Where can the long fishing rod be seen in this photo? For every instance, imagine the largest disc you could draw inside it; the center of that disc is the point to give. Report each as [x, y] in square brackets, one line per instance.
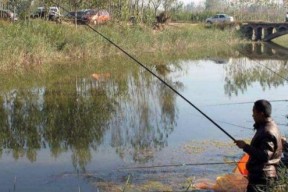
[181, 165]
[160, 79]
[164, 82]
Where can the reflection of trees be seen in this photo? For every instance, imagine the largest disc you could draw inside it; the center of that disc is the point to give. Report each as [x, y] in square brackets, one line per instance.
[19, 131]
[149, 119]
[3, 126]
[75, 119]
[60, 118]
[241, 73]
[74, 114]
[263, 57]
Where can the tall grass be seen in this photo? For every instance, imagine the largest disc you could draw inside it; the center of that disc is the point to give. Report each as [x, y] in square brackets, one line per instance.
[36, 43]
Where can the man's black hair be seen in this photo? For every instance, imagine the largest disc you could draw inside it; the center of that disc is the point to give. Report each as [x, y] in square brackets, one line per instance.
[263, 106]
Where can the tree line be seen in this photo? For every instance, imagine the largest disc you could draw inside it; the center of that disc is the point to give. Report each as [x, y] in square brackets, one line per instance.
[147, 10]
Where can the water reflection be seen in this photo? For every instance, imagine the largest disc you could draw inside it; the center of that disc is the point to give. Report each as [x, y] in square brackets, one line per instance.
[263, 63]
[150, 115]
[60, 117]
[263, 51]
[74, 115]
[135, 110]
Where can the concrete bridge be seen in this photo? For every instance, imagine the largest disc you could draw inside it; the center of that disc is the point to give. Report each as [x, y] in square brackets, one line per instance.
[263, 31]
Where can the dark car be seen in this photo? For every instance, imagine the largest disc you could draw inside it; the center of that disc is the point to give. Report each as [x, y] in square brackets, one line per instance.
[89, 16]
[76, 15]
[8, 15]
[39, 13]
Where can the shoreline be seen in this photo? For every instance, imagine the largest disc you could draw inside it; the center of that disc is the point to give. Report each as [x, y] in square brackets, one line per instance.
[39, 43]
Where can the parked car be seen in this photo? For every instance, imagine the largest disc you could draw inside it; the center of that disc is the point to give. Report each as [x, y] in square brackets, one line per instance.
[96, 16]
[89, 16]
[220, 18]
[8, 15]
[54, 13]
[78, 14]
[39, 13]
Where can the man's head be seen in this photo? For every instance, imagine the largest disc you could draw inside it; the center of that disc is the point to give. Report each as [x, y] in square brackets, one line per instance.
[262, 109]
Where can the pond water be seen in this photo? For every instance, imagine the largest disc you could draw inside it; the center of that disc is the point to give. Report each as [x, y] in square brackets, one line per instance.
[100, 126]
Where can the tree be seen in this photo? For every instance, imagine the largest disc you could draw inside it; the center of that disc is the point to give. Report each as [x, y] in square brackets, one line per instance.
[285, 2]
[190, 6]
[214, 5]
[156, 4]
[168, 4]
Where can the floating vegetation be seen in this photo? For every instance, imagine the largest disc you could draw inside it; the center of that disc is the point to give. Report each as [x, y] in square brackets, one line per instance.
[197, 147]
[146, 186]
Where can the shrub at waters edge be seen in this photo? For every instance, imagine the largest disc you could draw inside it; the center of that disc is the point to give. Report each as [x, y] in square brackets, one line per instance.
[36, 42]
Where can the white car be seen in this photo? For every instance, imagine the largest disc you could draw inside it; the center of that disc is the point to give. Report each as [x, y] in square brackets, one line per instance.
[220, 18]
[8, 15]
[53, 13]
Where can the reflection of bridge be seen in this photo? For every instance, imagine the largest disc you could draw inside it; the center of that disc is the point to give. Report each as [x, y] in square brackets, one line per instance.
[264, 31]
[264, 51]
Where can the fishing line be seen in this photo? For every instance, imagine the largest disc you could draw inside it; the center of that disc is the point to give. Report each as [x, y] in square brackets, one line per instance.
[257, 62]
[160, 79]
[180, 165]
[248, 102]
[278, 124]
[232, 124]
[224, 122]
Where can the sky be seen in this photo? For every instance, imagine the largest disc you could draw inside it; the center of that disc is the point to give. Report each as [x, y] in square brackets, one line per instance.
[197, 2]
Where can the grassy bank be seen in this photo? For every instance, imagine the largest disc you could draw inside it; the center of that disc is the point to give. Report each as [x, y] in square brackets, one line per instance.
[37, 43]
[283, 41]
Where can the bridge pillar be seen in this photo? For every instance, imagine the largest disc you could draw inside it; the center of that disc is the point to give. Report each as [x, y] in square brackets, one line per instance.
[265, 33]
[247, 31]
[257, 34]
[270, 30]
[257, 48]
[267, 50]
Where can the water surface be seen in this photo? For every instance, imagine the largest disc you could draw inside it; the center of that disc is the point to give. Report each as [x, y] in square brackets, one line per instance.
[84, 127]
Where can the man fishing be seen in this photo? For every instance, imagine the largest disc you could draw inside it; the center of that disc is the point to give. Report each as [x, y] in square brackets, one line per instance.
[264, 151]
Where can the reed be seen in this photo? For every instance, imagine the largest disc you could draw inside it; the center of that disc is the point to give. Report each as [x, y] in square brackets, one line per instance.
[282, 181]
[37, 43]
